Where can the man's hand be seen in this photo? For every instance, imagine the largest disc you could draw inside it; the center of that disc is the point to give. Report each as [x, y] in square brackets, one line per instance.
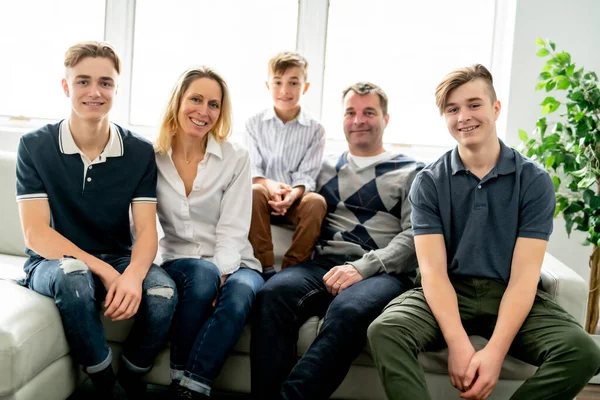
[223, 279]
[482, 374]
[340, 278]
[124, 296]
[459, 357]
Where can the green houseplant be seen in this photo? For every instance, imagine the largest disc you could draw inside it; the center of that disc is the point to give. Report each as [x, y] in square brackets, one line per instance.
[566, 141]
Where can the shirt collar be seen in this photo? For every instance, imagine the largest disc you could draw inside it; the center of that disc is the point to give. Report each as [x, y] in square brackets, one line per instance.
[114, 147]
[302, 117]
[212, 147]
[505, 165]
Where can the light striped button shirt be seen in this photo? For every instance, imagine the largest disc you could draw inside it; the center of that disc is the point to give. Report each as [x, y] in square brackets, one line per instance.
[290, 153]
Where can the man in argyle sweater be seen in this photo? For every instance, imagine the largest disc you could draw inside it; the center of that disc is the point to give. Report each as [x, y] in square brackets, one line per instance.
[364, 258]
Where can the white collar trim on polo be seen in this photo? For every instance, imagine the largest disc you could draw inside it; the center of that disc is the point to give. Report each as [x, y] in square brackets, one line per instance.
[114, 147]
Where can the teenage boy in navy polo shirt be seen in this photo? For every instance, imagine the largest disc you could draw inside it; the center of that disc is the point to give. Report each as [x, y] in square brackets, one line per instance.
[76, 181]
[482, 216]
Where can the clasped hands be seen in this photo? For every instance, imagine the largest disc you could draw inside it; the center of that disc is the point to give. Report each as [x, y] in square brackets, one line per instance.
[281, 196]
[474, 373]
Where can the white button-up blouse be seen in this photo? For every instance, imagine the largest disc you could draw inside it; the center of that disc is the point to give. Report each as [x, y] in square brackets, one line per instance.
[211, 223]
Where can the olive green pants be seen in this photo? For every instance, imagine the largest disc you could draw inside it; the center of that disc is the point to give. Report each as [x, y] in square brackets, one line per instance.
[550, 338]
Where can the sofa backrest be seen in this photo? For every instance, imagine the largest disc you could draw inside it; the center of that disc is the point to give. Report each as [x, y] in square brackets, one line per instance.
[11, 236]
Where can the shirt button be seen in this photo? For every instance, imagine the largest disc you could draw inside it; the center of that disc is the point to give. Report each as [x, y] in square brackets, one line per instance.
[478, 186]
[89, 179]
[90, 167]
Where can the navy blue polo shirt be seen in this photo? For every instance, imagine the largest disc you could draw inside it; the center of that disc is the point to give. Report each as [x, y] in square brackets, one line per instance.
[482, 219]
[89, 199]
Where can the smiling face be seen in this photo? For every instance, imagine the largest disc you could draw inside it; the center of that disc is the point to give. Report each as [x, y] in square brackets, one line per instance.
[364, 123]
[91, 85]
[471, 114]
[287, 87]
[200, 107]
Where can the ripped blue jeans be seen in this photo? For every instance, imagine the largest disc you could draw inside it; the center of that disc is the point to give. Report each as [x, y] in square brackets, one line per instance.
[78, 295]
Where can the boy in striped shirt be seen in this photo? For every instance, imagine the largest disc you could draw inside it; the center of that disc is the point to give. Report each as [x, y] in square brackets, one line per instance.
[286, 149]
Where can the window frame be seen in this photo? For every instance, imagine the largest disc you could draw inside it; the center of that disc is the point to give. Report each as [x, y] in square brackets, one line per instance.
[311, 40]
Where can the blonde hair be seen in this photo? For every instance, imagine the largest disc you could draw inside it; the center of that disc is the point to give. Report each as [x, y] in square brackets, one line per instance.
[365, 88]
[170, 123]
[81, 50]
[459, 77]
[281, 62]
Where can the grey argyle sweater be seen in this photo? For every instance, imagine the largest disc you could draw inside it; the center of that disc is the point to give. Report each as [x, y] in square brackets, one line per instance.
[368, 213]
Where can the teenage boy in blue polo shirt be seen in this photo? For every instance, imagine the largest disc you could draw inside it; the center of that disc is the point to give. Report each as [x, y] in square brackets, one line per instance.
[76, 181]
[482, 215]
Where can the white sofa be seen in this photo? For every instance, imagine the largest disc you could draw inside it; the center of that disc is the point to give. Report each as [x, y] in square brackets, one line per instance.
[34, 355]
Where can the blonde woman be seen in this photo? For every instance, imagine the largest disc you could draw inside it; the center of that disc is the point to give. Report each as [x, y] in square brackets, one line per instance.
[204, 206]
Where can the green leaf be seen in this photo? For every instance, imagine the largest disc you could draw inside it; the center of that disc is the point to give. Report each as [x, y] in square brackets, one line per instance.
[569, 226]
[547, 109]
[586, 182]
[588, 195]
[523, 135]
[548, 100]
[544, 76]
[540, 86]
[547, 68]
[540, 42]
[580, 173]
[556, 181]
[550, 85]
[550, 161]
[564, 57]
[563, 83]
[570, 70]
[542, 52]
[553, 45]
[595, 203]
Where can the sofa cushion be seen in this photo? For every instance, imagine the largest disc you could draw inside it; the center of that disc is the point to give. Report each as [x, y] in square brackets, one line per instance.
[11, 240]
[31, 335]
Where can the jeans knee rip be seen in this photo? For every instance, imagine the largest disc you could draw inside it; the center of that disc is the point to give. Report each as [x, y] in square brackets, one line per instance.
[73, 266]
[165, 292]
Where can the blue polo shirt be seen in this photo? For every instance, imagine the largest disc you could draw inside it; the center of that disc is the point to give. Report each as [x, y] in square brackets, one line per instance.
[89, 199]
[482, 219]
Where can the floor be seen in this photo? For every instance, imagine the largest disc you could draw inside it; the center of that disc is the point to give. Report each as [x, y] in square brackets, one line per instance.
[591, 392]
[154, 393]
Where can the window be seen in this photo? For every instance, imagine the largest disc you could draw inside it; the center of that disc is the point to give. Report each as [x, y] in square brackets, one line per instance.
[406, 48]
[34, 36]
[237, 38]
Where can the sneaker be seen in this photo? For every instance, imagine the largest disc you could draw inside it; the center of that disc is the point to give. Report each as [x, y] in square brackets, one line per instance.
[132, 383]
[177, 392]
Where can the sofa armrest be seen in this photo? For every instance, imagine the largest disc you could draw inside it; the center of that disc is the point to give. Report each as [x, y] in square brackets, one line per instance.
[31, 335]
[565, 286]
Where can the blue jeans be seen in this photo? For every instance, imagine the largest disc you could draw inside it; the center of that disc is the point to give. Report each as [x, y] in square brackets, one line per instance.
[78, 294]
[285, 302]
[203, 335]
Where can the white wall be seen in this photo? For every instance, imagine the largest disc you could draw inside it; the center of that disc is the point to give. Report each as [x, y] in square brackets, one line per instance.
[574, 27]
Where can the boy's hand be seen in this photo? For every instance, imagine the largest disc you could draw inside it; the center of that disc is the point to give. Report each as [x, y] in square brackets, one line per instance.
[108, 276]
[277, 190]
[124, 297]
[281, 207]
[482, 374]
[459, 358]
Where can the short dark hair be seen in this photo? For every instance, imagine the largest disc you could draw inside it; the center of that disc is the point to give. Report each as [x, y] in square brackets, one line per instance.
[365, 88]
